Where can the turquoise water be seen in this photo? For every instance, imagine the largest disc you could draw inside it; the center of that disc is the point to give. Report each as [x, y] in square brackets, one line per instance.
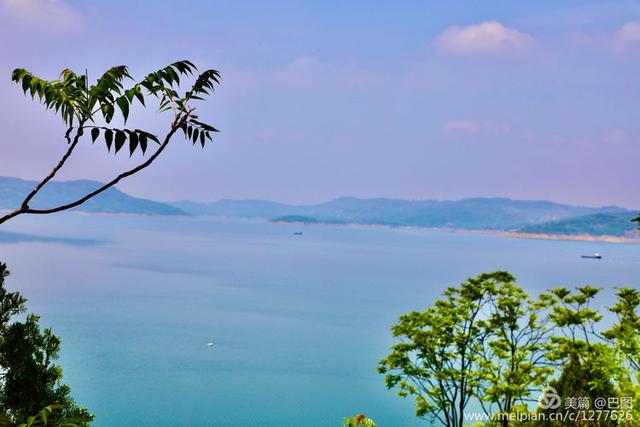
[299, 322]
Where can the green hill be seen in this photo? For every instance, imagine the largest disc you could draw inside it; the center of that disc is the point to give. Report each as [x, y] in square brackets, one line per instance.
[14, 190]
[600, 224]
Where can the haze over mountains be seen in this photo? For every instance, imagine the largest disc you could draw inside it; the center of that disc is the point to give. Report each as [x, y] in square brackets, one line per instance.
[469, 214]
[537, 217]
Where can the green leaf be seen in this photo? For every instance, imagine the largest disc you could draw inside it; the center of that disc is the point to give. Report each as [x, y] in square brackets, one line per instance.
[196, 132]
[148, 136]
[95, 133]
[174, 76]
[121, 137]
[166, 76]
[123, 104]
[139, 95]
[43, 415]
[204, 126]
[184, 67]
[18, 74]
[129, 94]
[26, 80]
[133, 143]
[153, 138]
[143, 142]
[205, 82]
[190, 64]
[107, 112]
[108, 138]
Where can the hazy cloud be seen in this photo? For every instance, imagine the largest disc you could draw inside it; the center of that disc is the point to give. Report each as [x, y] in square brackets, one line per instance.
[52, 15]
[476, 127]
[310, 71]
[627, 37]
[489, 38]
[468, 128]
[616, 136]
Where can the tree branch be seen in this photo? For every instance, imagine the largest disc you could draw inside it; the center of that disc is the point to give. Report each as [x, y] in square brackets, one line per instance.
[109, 184]
[26, 210]
[72, 146]
[12, 214]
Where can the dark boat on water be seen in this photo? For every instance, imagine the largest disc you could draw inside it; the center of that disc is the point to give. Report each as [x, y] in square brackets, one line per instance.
[297, 233]
[594, 256]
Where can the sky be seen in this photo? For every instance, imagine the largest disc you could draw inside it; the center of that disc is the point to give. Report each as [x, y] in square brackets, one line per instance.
[412, 99]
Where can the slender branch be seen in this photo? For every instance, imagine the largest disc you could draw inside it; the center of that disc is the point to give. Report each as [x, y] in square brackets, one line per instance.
[72, 146]
[12, 214]
[26, 210]
[116, 179]
[109, 184]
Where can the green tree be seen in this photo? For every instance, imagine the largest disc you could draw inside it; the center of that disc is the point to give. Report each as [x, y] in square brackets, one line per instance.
[589, 366]
[51, 415]
[29, 380]
[91, 108]
[624, 336]
[359, 420]
[513, 364]
[436, 358]
[625, 332]
[482, 339]
[581, 379]
[487, 340]
[575, 319]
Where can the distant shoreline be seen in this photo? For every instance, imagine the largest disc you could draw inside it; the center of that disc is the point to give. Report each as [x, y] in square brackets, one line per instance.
[499, 233]
[574, 237]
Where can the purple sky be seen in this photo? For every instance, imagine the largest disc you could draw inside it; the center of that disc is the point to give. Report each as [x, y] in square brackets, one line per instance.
[530, 100]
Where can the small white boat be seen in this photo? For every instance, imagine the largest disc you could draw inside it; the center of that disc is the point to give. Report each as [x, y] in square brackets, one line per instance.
[594, 256]
[210, 344]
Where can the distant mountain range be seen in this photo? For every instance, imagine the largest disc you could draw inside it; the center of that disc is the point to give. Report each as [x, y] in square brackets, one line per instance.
[539, 217]
[497, 214]
[14, 190]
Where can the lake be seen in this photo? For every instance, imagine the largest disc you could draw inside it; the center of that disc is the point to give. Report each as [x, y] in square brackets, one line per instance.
[299, 322]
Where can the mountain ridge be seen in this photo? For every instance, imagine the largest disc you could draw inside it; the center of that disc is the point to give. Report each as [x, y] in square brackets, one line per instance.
[476, 213]
[14, 190]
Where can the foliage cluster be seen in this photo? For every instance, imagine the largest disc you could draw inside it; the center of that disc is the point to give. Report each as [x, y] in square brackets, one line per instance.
[487, 341]
[31, 389]
[91, 108]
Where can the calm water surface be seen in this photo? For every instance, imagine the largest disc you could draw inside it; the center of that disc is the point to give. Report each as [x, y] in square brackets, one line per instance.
[299, 322]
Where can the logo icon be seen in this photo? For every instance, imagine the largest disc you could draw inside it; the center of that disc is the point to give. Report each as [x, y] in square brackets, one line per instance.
[600, 403]
[549, 398]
